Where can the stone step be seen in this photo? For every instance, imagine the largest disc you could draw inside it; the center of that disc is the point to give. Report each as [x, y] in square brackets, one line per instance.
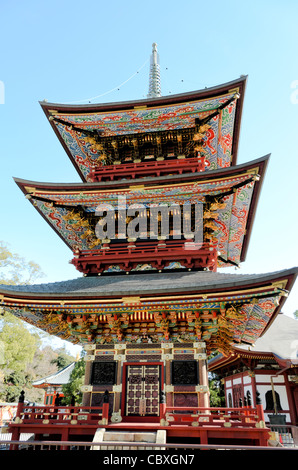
[129, 436]
[102, 435]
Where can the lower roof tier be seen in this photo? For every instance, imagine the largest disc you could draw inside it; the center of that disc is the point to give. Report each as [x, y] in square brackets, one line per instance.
[223, 206]
[220, 309]
[274, 347]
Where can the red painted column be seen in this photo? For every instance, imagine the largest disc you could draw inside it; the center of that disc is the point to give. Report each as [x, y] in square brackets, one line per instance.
[105, 413]
[254, 389]
[65, 437]
[203, 437]
[162, 411]
[260, 412]
[16, 430]
[292, 407]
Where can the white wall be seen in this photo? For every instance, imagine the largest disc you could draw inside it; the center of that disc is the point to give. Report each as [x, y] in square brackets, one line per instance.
[263, 385]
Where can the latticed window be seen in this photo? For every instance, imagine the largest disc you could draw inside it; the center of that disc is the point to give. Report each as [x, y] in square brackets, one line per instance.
[185, 373]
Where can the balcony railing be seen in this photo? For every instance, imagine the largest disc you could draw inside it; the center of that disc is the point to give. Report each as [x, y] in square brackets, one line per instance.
[244, 417]
[248, 421]
[72, 415]
[169, 415]
[154, 168]
[159, 254]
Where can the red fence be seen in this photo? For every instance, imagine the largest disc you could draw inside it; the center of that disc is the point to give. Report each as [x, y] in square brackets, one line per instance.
[158, 253]
[169, 415]
[63, 414]
[219, 417]
[155, 168]
[203, 423]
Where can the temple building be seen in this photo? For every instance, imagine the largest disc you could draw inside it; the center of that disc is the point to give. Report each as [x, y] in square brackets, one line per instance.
[53, 384]
[267, 370]
[162, 209]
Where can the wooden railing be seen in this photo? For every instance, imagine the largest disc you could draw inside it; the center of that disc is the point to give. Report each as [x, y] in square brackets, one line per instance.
[72, 415]
[169, 415]
[155, 168]
[219, 417]
[158, 254]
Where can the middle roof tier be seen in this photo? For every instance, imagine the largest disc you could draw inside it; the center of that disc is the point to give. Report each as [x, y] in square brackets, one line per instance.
[227, 199]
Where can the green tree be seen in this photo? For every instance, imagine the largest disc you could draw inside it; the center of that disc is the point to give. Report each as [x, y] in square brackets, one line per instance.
[14, 384]
[22, 361]
[17, 344]
[18, 349]
[62, 360]
[296, 314]
[217, 398]
[72, 390]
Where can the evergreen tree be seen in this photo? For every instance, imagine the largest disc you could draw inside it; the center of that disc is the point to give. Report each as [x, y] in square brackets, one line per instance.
[72, 390]
[22, 361]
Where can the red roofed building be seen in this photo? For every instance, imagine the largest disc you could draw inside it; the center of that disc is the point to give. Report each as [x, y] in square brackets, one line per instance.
[52, 384]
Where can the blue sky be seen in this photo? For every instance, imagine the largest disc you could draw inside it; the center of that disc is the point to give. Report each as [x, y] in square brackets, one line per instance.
[70, 51]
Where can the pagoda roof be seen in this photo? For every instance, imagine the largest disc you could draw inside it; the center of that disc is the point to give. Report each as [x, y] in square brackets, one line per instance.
[147, 284]
[73, 123]
[238, 187]
[58, 378]
[278, 342]
[255, 300]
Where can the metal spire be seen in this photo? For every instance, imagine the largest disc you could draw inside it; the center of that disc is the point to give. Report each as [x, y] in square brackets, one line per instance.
[154, 75]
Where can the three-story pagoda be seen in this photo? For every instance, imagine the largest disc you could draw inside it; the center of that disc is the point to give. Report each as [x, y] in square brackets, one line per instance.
[151, 304]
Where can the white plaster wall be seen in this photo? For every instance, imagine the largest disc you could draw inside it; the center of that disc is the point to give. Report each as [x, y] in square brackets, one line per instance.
[267, 378]
[281, 390]
[237, 380]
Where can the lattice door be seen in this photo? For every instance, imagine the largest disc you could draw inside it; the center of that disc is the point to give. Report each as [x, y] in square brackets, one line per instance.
[237, 394]
[142, 390]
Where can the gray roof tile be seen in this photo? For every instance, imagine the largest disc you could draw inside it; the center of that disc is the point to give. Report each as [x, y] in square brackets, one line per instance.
[145, 283]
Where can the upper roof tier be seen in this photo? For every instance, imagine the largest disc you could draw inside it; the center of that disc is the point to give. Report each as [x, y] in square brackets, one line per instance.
[200, 123]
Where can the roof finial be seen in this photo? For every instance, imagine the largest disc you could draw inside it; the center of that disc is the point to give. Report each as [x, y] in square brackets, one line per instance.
[154, 75]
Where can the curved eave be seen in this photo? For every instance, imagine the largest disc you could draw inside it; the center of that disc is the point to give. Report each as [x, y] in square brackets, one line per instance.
[141, 292]
[180, 284]
[53, 379]
[224, 361]
[200, 177]
[258, 166]
[204, 94]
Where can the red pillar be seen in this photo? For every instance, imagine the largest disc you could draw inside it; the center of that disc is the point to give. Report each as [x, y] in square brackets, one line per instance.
[15, 436]
[105, 412]
[291, 401]
[162, 411]
[65, 437]
[203, 437]
[260, 412]
[16, 430]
